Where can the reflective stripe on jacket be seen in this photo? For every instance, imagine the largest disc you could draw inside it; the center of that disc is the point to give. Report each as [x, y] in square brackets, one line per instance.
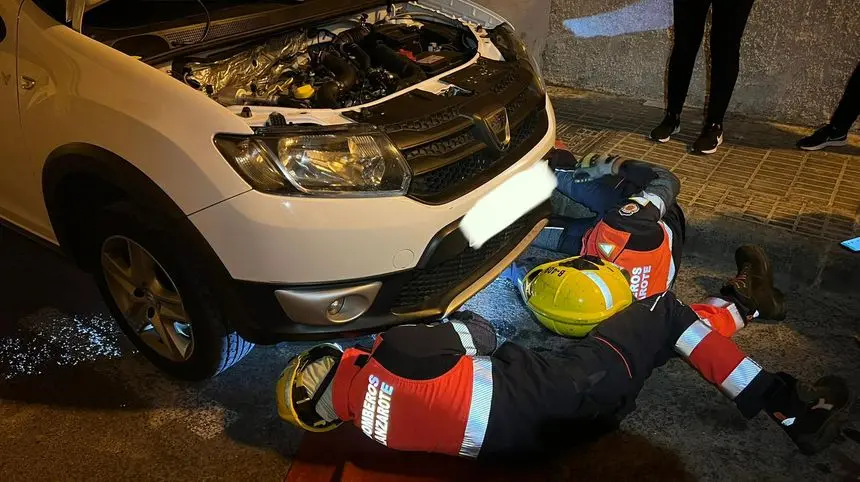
[394, 410]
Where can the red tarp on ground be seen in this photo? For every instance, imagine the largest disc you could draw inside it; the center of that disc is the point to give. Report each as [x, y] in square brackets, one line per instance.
[347, 455]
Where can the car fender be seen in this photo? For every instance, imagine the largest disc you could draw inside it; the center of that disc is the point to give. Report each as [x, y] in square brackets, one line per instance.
[87, 93]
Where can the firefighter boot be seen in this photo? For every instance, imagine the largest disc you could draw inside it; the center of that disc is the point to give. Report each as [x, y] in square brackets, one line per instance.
[811, 415]
[753, 285]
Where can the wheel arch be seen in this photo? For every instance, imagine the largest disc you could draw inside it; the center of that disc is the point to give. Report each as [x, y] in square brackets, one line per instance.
[80, 177]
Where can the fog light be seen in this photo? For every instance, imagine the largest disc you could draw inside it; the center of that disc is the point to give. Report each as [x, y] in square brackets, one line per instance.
[328, 306]
[335, 306]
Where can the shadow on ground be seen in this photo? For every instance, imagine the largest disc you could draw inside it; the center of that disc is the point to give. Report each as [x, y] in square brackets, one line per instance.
[347, 454]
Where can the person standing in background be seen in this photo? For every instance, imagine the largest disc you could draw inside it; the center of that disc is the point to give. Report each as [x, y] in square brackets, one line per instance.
[729, 19]
[836, 132]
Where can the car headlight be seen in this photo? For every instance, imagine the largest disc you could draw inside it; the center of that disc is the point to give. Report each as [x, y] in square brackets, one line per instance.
[514, 49]
[335, 161]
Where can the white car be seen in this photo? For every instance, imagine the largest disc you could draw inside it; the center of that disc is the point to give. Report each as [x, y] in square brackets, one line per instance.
[241, 172]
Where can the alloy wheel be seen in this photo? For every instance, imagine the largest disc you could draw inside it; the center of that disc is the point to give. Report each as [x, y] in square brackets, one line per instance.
[147, 297]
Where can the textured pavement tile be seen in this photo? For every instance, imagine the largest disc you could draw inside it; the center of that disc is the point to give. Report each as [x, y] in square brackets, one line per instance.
[756, 175]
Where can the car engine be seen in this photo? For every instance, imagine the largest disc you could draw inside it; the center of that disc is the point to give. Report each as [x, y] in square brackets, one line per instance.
[318, 68]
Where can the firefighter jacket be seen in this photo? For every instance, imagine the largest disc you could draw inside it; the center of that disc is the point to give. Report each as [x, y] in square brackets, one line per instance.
[446, 388]
[645, 233]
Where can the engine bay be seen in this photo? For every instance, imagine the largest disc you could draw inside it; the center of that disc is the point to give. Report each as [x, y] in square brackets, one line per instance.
[339, 65]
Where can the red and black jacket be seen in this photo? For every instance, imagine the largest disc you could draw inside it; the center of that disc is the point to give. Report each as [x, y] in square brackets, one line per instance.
[645, 233]
[435, 388]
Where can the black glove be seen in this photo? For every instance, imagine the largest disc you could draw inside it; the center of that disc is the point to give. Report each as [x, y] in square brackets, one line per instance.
[564, 160]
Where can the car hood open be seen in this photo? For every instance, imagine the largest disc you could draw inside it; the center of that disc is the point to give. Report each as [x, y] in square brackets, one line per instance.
[75, 10]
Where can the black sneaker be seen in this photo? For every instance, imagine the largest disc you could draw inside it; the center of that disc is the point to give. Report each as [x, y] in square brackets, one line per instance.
[670, 126]
[827, 136]
[710, 138]
[753, 285]
[811, 416]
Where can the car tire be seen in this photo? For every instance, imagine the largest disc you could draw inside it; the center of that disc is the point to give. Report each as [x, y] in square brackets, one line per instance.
[201, 345]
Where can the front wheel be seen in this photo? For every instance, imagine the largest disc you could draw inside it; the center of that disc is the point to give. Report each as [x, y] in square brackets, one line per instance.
[155, 288]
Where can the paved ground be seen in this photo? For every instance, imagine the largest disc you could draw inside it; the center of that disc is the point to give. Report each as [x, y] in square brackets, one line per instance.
[756, 188]
[756, 176]
[77, 403]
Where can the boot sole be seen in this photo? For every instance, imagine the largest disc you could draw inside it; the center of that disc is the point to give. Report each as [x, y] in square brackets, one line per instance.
[777, 313]
[829, 431]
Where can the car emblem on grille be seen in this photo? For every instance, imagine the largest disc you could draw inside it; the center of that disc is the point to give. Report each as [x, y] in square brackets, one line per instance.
[499, 128]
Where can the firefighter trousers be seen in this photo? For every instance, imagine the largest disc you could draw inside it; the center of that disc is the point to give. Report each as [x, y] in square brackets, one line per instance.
[611, 365]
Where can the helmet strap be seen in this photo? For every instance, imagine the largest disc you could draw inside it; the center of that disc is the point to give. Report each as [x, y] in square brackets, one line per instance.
[324, 384]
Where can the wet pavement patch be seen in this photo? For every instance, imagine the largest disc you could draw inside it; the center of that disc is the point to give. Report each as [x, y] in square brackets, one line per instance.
[50, 339]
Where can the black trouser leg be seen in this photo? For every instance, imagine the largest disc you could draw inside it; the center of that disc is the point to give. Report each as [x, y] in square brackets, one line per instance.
[690, 17]
[613, 362]
[728, 23]
[849, 107]
[645, 334]
[631, 344]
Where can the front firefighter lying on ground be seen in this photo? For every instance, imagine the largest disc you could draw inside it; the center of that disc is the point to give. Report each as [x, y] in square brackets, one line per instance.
[448, 388]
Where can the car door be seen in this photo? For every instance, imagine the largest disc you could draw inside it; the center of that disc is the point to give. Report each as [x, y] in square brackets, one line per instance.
[13, 156]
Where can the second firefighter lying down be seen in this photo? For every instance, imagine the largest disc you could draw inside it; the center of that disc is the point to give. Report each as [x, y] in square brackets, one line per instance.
[638, 224]
[451, 388]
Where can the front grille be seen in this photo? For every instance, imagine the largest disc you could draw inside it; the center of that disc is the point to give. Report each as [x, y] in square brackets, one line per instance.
[440, 147]
[526, 129]
[506, 81]
[427, 122]
[515, 105]
[427, 284]
[450, 177]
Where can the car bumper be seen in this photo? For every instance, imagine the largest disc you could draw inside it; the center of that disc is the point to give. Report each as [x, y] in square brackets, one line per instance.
[430, 291]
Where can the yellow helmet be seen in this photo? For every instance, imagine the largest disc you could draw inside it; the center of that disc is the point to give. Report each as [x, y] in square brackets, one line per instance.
[572, 296]
[296, 399]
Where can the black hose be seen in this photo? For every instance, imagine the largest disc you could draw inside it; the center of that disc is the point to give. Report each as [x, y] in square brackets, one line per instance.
[351, 36]
[343, 72]
[326, 95]
[398, 64]
[347, 43]
[358, 54]
[285, 100]
[345, 76]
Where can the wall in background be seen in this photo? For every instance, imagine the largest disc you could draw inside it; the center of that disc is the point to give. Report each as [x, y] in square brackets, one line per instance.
[530, 18]
[796, 57]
